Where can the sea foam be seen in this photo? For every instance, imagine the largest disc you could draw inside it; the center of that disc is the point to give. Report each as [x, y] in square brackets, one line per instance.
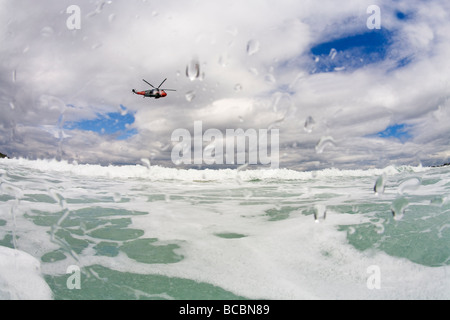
[20, 277]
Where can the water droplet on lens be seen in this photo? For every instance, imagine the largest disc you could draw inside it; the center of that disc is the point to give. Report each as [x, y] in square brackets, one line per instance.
[270, 78]
[282, 105]
[398, 207]
[223, 60]
[437, 201]
[146, 162]
[210, 149]
[247, 194]
[252, 47]
[254, 71]
[276, 124]
[410, 184]
[323, 143]
[320, 213]
[117, 197]
[47, 32]
[238, 87]
[309, 124]
[242, 167]
[193, 69]
[379, 184]
[190, 95]
[333, 53]
[96, 45]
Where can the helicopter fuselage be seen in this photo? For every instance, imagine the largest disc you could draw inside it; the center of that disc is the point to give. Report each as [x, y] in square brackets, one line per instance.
[154, 93]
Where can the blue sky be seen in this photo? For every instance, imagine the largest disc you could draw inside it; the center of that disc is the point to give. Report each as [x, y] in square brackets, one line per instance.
[352, 51]
[400, 132]
[114, 124]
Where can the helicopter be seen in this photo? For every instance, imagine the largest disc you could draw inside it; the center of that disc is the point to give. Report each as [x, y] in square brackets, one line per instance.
[155, 92]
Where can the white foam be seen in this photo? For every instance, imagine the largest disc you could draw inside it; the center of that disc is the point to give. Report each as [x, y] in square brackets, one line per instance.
[293, 258]
[157, 173]
[20, 277]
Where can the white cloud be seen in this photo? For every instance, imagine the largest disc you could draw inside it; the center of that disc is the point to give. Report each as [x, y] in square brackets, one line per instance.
[45, 67]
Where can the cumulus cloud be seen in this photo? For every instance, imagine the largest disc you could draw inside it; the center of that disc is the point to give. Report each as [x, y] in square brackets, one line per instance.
[260, 65]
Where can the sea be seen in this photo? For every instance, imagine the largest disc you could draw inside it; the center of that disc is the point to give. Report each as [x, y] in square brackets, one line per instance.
[72, 231]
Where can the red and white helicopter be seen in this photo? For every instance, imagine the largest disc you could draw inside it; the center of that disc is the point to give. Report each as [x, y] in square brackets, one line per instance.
[155, 92]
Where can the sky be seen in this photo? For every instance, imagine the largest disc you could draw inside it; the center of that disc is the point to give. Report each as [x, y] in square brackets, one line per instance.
[347, 86]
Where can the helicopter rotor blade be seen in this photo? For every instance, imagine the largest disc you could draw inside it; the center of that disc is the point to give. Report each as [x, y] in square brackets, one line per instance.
[162, 83]
[148, 83]
[169, 89]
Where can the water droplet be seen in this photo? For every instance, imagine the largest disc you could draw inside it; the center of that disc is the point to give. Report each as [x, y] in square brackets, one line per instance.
[238, 87]
[437, 201]
[186, 149]
[241, 120]
[224, 60]
[409, 185]
[11, 190]
[232, 30]
[270, 78]
[247, 194]
[254, 71]
[242, 167]
[282, 105]
[123, 110]
[333, 53]
[276, 124]
[51, 103]
[398, 207]
[117, 197]
[320, 212]
[190, 95]
[210, 149]
[111, 17]
[379, 184]
[47, 32]
[12, 106]
[193, 69]
[252, 47]
[309, 124]
[323, 143]
[96, 45]
[14, 76]
[146, 162]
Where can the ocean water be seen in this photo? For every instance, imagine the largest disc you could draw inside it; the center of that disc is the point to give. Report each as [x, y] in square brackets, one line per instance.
[70, 231]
